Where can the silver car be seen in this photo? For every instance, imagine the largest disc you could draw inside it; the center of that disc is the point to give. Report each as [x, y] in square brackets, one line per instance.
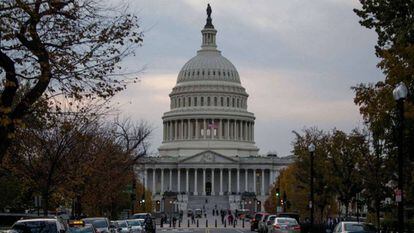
[285, 225]
[344, 227]
[122, 226]
[101, 224]
[136, 225]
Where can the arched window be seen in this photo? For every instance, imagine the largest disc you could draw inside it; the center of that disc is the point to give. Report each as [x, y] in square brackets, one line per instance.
[232, 102]
[222, 101]
[238, 103]
[195, 101]
[208, 101]
[189, 101]
[202, 101]
[179, 102]
[228, 101]
[215, 101]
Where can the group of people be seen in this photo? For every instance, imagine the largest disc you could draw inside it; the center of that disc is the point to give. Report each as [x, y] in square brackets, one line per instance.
[231, 219]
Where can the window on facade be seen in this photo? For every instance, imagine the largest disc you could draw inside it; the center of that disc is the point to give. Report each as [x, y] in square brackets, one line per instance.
[232, 102]
[189, 101]
[183, 101]
[195, 101]
[214, 72]
[208, 101]
[219, 73]
[228, 102]
[202, 72]
[202, 101]
[222, 101]
[179, 102]
[215, 101]
[238, 102]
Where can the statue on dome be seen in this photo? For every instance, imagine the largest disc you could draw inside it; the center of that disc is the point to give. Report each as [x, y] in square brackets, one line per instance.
[209, 10]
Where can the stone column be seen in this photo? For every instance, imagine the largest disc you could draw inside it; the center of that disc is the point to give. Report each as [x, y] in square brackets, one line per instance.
[187, 184]
[197, 130]
[220, 129]
[204, 129]
[171, 179]
[234, 130]
[189, 129]
[162, 181]
[238, 180]
[254, 180]
[246, 188]
[175, 130]
[221, 182]
[228, 129]
[229, 181]
[195, 182]
[179, 180]
[252, 131]
[263, 180]
[212, 181]
[204, 181]
[182, 129]
[153, 181]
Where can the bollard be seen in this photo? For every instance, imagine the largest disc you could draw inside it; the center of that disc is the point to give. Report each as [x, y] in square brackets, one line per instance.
[225, 223]
[215, 223]
[206, 223]
[197, 223]
[170, 222]
[162, 224]
[243, 223]
[179, 223]
[188, 223]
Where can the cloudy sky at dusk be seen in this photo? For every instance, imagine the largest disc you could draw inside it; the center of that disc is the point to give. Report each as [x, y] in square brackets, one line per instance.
[297, 60]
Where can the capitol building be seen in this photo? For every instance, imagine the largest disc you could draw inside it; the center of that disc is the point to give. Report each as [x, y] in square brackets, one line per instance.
[208, 154]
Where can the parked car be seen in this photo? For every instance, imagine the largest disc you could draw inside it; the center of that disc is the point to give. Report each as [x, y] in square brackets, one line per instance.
[346, 227]
[101, 224]
[39, 225]
[285, 225]
[254, 223]
[136, 225]
[289, 215]
[269, 223]
[79, 226]
[143, 216]
[262, 225]
[122, 226]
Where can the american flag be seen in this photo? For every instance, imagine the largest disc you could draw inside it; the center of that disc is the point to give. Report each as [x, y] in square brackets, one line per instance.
[213, 125]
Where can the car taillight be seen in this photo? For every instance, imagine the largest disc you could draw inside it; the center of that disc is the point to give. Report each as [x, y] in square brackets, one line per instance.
[297, 227]
[276, 226]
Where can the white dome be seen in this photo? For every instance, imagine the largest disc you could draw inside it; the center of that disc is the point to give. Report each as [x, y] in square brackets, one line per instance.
[208, 65]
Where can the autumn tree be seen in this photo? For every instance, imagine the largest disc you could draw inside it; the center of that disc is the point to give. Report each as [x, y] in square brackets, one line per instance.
[65, 49]
[144, 199]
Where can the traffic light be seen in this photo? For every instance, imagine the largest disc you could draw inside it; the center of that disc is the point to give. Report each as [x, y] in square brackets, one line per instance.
[277, 192]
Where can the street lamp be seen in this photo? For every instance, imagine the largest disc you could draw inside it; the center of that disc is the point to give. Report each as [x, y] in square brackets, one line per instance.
[311, 149]
[400, 94]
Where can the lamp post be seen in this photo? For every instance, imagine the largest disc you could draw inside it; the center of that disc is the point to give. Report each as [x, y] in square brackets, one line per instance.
[400, 94]
[311, 149]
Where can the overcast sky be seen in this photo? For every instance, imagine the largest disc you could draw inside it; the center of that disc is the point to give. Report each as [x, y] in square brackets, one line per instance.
[297, 60]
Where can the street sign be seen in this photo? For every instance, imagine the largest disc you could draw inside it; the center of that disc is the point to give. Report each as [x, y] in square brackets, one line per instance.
[278, 209]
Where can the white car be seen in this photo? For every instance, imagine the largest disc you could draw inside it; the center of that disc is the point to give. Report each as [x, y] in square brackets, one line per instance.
[344, 227]
[136, 225]
[101, 224]
[123, 226]
[39, 225]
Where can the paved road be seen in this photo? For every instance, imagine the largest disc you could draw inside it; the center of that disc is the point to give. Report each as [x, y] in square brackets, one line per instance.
[205, 230]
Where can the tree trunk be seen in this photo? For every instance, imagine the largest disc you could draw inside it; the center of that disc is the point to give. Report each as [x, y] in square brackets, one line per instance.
[377, 210]
[45, 197]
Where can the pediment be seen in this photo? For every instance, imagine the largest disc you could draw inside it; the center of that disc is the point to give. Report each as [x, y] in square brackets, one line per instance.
[208, 157]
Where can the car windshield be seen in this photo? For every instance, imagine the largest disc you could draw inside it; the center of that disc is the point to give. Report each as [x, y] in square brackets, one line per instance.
[271, 218]
[287, 221]
[357, 227]
[258, 216]
[122, 224]
[134, 223]
[100, 223]
[86, 229]
[35, 227]
[140, 216]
